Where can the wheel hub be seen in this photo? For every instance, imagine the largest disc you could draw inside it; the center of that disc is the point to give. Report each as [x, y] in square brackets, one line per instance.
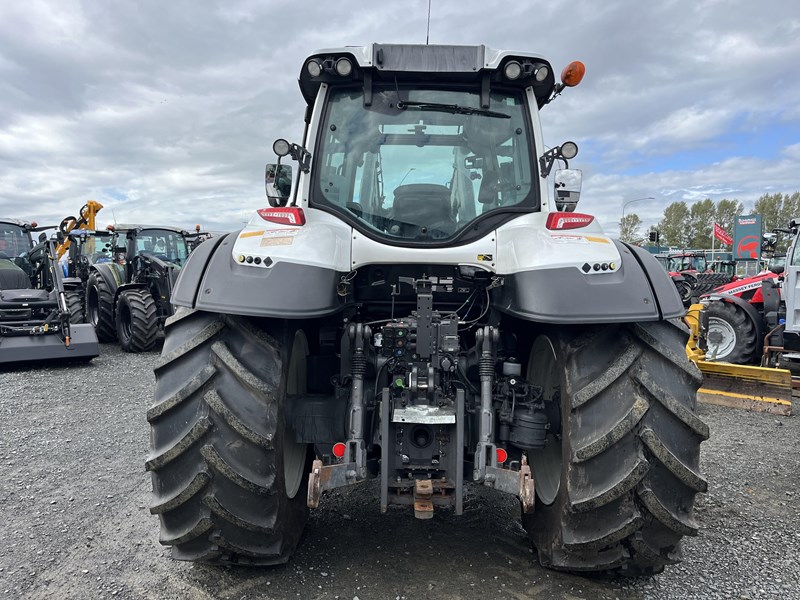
[547, 463]
[721, 338]
[294, 453]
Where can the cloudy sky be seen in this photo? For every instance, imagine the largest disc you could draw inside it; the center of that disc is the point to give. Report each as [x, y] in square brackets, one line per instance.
[166, 110]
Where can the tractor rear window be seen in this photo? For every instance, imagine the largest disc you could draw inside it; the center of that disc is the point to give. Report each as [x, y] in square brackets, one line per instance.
[14, 241]
[427, 169]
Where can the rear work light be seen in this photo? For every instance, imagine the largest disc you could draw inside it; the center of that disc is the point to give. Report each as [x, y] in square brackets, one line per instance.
[567, 220]
[285, 215]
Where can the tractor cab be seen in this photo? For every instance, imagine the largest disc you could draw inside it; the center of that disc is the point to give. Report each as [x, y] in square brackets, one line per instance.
[687, 262]
[410, 159]
[164, 243]
[15, 246]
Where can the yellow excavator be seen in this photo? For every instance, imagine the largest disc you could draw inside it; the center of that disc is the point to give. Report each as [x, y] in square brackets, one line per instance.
[759, 388]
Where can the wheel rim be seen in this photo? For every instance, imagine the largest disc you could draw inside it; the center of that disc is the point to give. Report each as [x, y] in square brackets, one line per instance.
[721, 337]
[294, 453]
[547, 462]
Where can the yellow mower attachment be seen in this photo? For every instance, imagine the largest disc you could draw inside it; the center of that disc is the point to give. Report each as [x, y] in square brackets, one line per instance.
[739, 386]
[86, 220]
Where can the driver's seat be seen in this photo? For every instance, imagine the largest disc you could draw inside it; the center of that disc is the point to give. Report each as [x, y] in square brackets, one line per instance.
[418, 205]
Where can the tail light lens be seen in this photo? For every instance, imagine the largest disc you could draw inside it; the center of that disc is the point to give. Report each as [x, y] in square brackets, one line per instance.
[567, 220]
[288, 215]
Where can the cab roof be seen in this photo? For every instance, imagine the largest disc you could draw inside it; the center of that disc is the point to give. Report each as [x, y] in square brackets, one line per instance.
[18, 222]
[131, 226]
[397, 63]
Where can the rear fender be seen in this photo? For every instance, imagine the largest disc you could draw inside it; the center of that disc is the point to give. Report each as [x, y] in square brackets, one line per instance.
[638, 290]
[111, 274]
[212, 280]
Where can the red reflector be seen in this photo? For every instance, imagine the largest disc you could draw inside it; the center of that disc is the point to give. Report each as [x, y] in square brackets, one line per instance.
[290, 215]
[502, 455]
[567, 220]
[338, 450]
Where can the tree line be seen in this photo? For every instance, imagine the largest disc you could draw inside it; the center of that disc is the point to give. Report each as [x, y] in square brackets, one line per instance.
[684, 226]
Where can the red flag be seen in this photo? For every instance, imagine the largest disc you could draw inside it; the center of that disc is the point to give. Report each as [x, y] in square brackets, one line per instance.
[722, 235]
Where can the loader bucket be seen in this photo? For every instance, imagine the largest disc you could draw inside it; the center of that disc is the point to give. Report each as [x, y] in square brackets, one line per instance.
[761, 389]
[83, 346]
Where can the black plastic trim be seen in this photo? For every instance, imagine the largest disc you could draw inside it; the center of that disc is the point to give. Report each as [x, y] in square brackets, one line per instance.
[670, 305]
[639, 290]
[284, 290]
[194, 269]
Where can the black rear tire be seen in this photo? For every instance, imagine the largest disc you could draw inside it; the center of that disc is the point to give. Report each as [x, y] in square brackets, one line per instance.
[685, 292]
[229, 481]
[100, 308]
[74, 306]
[137, 320]
[731, 334]
[708, 282]
[617, 481]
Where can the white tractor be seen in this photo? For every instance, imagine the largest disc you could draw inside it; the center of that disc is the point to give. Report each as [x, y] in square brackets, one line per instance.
[418, 304]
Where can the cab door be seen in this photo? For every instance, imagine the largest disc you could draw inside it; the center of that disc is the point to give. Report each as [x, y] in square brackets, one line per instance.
[791, 293]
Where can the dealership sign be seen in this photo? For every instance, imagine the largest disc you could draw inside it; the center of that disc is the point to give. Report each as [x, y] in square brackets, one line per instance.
[747, 237]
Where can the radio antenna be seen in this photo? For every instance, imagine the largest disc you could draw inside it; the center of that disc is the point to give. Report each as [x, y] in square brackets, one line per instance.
[428, 33]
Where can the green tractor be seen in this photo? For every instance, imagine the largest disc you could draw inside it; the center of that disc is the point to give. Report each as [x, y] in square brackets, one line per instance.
[128, 289]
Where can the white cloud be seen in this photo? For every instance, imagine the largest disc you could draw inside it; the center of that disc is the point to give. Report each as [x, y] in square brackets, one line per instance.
[173, 106]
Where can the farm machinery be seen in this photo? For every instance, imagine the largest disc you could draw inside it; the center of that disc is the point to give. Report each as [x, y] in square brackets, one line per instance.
[38, 314]
[419, 304]
[746, 335]
[693, 276]
[128, 292]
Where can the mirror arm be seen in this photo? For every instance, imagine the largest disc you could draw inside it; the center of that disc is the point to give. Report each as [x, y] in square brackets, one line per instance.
[547, 160]
[302, 156]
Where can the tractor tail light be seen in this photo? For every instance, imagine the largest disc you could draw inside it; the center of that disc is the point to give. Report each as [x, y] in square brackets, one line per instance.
[289, 215]
[567, 220]
[338, 450]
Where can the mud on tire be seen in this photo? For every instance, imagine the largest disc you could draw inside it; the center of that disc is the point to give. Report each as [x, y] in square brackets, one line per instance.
[630, 445]
[137, 320]
[228, 479]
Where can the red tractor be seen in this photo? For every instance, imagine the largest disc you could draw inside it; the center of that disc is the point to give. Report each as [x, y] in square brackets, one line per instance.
[741, 313]
[691, 274]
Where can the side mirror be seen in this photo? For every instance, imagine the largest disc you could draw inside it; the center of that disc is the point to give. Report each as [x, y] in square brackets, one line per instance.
[278, 183]
[567, 189]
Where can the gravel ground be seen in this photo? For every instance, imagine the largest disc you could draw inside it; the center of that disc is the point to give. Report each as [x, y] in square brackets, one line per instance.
[74, 497]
